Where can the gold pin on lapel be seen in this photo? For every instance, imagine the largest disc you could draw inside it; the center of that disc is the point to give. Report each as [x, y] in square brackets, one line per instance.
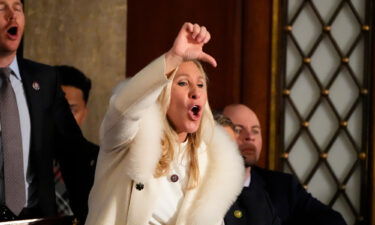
[237, 213]
[36, 86]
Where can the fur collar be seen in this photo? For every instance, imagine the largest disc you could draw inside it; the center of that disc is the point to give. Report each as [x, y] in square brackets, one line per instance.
[221, 178]
[221, 183]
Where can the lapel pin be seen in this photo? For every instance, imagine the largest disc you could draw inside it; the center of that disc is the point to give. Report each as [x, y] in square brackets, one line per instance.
[36, 86]
[237, 213]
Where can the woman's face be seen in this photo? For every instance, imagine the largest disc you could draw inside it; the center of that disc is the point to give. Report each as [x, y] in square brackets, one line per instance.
[188, 97]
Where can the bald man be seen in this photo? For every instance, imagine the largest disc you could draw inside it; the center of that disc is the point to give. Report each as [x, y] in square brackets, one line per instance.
[270, 197]
[247, 127]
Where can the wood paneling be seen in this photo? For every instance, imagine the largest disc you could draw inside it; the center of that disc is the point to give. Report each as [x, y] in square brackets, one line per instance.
[153, 25]
[255, 87]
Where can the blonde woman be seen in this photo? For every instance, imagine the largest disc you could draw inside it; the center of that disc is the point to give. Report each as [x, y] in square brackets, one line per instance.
[162, 159]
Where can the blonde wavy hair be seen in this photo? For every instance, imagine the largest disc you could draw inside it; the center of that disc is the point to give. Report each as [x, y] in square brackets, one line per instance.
[203, 134]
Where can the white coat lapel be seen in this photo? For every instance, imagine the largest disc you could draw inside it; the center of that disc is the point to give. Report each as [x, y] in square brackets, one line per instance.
[221, 181]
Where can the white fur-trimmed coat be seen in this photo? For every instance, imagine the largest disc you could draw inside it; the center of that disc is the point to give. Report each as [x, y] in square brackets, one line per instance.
[131, 148]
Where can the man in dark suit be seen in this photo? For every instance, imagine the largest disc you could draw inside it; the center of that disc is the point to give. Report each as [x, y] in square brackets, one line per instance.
[270, 197]
[43, 128]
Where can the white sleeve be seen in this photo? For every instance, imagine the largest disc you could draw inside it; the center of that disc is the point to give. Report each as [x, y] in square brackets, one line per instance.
[132, 97]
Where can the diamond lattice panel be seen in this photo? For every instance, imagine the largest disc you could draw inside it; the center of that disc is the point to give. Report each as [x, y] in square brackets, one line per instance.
[347, 24]
[325, 61]
[352, 188]
[305, 93]
[303, 156]
[293, 6]
[292, 125]
[357, 60]
[325, 98]
[344, 93]
[342, 206]
[354, 126]
[359, 6]
[294, 61]
[306, 29]
[341, 157]
[323, 125]
[321, 184]
[326, 8]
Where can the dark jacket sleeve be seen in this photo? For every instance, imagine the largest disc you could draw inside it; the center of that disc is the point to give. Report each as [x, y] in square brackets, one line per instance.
[294, 205]
[308, 210]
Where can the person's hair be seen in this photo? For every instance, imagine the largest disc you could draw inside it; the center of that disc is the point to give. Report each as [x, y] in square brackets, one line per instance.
[204, 132]
[224, 121]
[71, 76]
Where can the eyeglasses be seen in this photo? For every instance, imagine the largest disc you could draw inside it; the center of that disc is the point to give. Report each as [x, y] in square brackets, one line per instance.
[238, 128]
[241, 130]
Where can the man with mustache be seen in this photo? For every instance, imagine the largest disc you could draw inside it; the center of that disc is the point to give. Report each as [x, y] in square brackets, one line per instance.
[270, 197]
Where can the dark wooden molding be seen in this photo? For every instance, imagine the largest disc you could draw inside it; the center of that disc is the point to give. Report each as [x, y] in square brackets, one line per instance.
[256, 66]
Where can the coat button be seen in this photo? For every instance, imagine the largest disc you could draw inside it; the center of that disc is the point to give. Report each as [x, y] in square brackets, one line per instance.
[174, 178]
[139, 186]
[237, 213]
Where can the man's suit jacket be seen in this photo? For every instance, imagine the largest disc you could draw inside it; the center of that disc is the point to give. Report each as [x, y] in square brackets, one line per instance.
[254, 205]
[293, 205]
[54, 134]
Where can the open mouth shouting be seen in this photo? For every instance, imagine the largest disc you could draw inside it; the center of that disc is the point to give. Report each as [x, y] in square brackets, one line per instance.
[12, 32]
[195, 112]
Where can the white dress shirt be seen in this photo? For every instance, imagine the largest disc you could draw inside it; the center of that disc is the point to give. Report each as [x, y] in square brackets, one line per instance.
[171, 193]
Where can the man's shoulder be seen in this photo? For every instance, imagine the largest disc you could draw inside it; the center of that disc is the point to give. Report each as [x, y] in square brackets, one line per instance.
[270, 176]
[270, 173]
[30, 64]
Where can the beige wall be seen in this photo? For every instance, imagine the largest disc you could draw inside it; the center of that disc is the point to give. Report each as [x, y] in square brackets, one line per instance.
[87, 34]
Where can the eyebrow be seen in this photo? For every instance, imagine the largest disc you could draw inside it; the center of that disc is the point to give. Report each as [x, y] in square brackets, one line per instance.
[186, 75]
[239, 125]
[14, 4]
[181, 75]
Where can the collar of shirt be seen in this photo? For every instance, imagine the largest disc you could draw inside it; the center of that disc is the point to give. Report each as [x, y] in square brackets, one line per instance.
[14, 67]
[247, 181]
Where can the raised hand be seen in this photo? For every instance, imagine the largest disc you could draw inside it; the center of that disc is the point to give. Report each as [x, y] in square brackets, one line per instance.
[188, 45]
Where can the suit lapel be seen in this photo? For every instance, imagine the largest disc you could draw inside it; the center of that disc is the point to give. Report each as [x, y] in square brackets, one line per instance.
[29, 80]
[33, 93]
[252, 204]
[257, 179]
[236, 215]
